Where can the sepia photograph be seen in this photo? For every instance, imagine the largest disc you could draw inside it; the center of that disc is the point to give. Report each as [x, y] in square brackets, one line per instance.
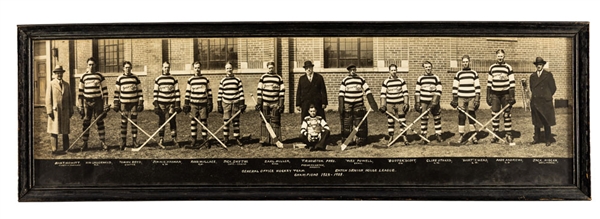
[198, 111]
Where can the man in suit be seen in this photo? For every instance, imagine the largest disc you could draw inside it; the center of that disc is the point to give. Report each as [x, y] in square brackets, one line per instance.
[542, 86]
[59, 108]
[311, 90]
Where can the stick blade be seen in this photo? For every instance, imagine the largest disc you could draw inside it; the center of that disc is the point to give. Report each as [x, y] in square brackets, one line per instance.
[136, 149]
[279, 144]
[343, 147]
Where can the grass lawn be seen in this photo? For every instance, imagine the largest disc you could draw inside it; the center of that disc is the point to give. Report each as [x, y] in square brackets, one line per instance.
[250, 129]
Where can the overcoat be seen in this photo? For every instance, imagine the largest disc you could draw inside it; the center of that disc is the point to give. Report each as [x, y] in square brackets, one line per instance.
[311, 92]
[542, 88]
[59, 100]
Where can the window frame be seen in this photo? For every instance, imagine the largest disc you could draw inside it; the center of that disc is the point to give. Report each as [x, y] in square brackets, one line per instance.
[339, 53]
[209, 63]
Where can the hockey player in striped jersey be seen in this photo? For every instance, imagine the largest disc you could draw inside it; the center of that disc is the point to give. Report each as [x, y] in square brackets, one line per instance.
[93, 102]
[394, 99]
[427, 95]
[351, 105]
[198, 101]
[466, 94]
[129, 100]
[270, 95]
[314, 131]
[230, 99]
[166, 102]
[500, 92]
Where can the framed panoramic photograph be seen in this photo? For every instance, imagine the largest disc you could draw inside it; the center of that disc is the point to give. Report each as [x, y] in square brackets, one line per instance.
[304, 110]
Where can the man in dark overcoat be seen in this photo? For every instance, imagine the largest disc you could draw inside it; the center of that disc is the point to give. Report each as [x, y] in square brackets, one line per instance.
[311, 91]
[542, 86]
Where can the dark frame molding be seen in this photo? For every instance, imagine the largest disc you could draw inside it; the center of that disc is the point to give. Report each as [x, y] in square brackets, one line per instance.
[578, 31]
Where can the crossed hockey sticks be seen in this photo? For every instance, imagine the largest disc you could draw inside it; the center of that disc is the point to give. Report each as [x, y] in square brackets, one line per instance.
[152, 136]
[209, 132]
[483, 126]
[142, 130]
[269, 127]
[409, 126]
[222, 127]
[88, 128]
[405, 126]
[354, 131]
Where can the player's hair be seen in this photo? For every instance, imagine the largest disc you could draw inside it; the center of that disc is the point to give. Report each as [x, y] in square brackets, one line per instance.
[127, 62]
[197, 62]
[426, 62]
[466, 56]
[390, 67]
[312, 106]
[500, 51]
[91, 59]
[167, 62]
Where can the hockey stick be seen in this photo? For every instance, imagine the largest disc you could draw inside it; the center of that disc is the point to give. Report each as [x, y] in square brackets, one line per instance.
[139, 128]
[525, 95]
[268, 125]
[410, 125]
[482, 125]
[222, 127]
[405, 126]
[156, 132]
[88, 128]
[209, 132]
[354, 131]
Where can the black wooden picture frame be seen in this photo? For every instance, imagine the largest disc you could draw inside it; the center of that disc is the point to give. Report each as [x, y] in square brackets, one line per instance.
[578, 170]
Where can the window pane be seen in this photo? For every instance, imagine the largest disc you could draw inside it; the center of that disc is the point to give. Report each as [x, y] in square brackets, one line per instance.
[110, 54]
[215, 52]
[39, 48]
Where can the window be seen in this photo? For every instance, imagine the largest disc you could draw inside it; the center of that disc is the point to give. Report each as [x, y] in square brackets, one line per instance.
[213, 53]
[110, 55]
[340, 52]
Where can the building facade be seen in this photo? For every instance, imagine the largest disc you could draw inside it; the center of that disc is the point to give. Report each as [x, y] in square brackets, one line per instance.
[331, 55]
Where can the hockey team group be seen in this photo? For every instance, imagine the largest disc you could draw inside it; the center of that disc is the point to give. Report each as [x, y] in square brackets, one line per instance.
[311, 100]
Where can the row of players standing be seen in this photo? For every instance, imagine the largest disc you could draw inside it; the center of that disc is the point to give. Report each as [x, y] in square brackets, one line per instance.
[311, 100]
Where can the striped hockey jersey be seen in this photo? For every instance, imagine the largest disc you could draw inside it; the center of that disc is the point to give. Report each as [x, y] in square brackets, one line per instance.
[393, 90]
[166, 89]
[91, 85]
[231, 90]
[128, 89]
[353, 88]
[270, 88]
[312, 126]
[466, 84]
[198, 90]
[501, 77]
[427, 87]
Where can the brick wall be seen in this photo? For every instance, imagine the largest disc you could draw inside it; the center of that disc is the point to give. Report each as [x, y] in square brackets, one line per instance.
[307, 49]
[181, 53]
[83, 50]
[256, 51]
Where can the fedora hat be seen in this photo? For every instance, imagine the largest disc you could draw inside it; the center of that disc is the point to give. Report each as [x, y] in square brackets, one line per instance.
[58, 69]
[539, 60]
[350, 66]
[308, 64]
